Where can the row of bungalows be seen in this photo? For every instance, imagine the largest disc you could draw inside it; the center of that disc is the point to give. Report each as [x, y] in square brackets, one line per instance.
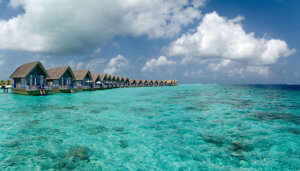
[33, 79]
[104, 81]
[152, 83]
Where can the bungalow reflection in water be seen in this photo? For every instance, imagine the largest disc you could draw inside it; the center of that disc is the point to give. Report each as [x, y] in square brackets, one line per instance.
[33, 79]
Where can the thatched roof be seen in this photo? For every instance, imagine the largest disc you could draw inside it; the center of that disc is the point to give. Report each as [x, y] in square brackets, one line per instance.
[169, 81]
[95, 77]
[118, 78]
[150, 81]
[57, 72]
[122, 79]
[126, 79]
[113, 78]
[102, 77]
[109, 77]
[81, 74]
[132, 81]
[23, 70]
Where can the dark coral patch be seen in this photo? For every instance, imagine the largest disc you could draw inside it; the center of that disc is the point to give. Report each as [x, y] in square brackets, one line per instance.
[278, 116]
[123, 143]
[97, 130]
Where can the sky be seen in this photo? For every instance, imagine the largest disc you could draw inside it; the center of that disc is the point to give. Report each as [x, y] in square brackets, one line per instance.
[193, 41]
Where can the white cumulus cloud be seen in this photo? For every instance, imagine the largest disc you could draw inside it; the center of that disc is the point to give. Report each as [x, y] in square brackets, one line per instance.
[93, 64]
[68, 25]
[153, 64]
[223, 43]
[116, 64]
[76, 65]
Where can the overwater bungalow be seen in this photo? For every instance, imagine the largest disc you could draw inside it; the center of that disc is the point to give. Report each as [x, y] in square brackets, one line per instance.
[104, 80]
[83, 80]
[165, 82]
[173, 83]
[127, 83]
[161, 83]
[140, 83]
[97, 81]
[150, 83]
[145, 83]
[122, 82]
[132, 83]
[156, 83]
[109, 81]
[169, 82]
[61, 79]
[113, 81]
[30, 79]
[118, 81]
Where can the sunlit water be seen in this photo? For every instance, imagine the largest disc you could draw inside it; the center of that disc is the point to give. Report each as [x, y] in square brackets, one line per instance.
[188, 127]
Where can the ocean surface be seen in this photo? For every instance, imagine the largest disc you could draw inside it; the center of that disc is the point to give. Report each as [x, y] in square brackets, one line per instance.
[188, 127]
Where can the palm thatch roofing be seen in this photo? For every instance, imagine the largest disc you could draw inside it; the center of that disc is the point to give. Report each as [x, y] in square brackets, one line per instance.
[23, 70]
[113, 78]
[132, 81]
[103, 77]
[169, 81]
[109, 77]
[81, 74]
[96, 77]
[57, 72]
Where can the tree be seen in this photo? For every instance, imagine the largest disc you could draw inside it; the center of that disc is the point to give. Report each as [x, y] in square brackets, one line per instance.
[9, 82]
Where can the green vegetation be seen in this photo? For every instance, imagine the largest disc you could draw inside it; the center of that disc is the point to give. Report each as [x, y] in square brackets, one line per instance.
[5, 82]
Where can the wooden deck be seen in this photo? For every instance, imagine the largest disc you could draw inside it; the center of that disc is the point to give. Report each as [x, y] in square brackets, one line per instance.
[35, 92]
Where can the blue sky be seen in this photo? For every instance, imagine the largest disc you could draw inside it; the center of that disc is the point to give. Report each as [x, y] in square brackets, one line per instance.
[193, 41]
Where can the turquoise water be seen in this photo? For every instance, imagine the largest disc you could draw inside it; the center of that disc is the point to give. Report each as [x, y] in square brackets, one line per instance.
[189, 127]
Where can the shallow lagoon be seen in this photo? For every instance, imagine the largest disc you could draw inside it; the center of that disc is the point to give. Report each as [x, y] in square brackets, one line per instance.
[188, 127]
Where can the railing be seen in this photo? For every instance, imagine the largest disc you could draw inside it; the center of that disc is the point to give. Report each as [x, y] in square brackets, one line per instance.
[33, 87]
